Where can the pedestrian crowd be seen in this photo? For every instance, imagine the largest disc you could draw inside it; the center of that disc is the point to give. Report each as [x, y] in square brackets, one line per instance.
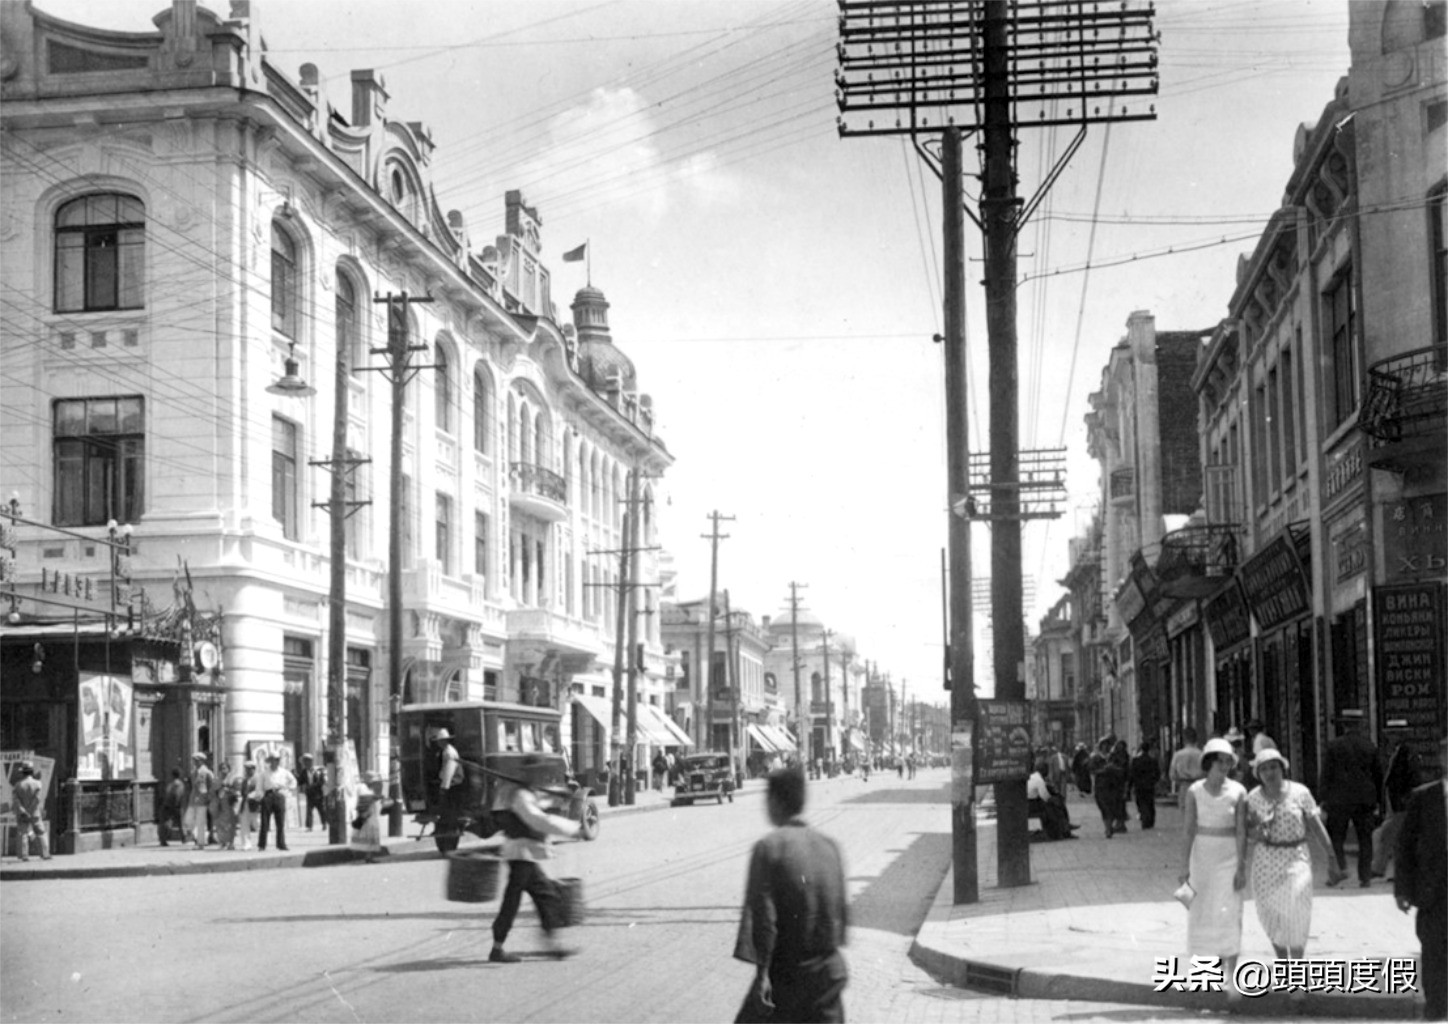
[210, 807]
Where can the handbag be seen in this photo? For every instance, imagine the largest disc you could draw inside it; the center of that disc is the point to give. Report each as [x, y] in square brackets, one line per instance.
[1185, 894]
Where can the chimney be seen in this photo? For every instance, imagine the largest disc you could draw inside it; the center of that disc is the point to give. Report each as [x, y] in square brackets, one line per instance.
[369, 98]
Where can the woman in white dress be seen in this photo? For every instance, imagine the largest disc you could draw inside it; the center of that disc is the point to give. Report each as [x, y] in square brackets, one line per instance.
[1281, 817]
[1214, 860]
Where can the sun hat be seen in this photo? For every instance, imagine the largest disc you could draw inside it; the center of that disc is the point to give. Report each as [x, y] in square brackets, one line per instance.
[1269, 755]
[442, 734]
[1217, 745]
[1234, 735]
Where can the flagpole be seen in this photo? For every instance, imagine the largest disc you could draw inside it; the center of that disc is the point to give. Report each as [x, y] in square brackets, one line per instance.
[588, 259]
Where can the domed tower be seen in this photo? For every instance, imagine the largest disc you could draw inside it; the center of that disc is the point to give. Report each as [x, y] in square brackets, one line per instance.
[599, 360]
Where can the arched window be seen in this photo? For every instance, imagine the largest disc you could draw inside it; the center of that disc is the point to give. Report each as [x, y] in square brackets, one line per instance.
[442, 374]
[525, 435]
[482, 411]
[349, 328]
[284, 283]
[100, 246]
[540, 439]
[512, 429]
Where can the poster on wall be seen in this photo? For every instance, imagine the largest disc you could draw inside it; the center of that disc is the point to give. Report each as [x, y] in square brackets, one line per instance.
[1003, 741]
[44, 769]
[1408, 623]
[107, 750]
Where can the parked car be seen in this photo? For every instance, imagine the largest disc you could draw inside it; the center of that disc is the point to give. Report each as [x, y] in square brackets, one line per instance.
[493, 740]
[702, 776]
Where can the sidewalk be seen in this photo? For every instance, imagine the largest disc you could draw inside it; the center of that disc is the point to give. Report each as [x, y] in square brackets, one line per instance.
[1099, 912]
[305, 850]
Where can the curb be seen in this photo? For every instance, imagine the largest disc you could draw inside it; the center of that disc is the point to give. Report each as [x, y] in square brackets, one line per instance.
[1031, 983]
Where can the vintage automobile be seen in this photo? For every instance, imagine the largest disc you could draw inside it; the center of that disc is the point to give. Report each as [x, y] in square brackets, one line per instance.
[494, 741]
[703, 776]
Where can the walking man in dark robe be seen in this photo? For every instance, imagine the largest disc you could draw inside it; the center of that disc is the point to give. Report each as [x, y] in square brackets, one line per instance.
[794, 917]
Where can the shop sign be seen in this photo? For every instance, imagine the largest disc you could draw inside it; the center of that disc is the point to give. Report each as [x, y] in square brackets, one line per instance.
[1408, 630]
[1350, 551]
[1003, 742]
[1227, 618]
[1152, 646]
[1415, 544]
[1344, 468]
[1183, 619]
[1130, 602]
[1274, 584]
[106, 751]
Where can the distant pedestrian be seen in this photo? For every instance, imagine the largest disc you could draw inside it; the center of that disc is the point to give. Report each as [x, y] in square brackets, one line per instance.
[367, 825]
[1241, 771]
[529, 827]
[1108, 785]
[1351, 786]
[1057, 769]
[173, 807]
[1214, 860]
[223, 811]
[1281, 817]
[275, 783]
[661, 768]
[1045, 803]
[248, 804]
[29, 799]
[1143, 775]
[1420, 879]
[1186, 765]
[1081, 769]
[198, 799]
[795, 915]
[1398, 786]
[312, 782]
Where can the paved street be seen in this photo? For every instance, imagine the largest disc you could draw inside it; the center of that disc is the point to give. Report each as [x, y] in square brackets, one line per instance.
[380, 943]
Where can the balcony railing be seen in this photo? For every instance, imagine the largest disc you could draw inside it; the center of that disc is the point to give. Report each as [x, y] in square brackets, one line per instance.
[1194, 560]
[1123, 483]
[1407, 399]
[534, 479]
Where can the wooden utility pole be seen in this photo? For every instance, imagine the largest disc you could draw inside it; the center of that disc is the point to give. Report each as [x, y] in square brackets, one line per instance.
[631, 549]
[704, 703]
[399, 372]
[829, 703]
[802, 721]
[620, 652]
[731, 668]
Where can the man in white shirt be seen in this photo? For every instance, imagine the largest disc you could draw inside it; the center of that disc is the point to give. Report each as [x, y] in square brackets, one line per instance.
[274, 783]
[1186, 763]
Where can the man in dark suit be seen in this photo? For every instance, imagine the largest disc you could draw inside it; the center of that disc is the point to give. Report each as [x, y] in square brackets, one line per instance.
[1420, 879]
[1351, 789]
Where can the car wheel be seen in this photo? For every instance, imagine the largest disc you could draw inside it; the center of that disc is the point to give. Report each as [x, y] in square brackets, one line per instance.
[590, 823]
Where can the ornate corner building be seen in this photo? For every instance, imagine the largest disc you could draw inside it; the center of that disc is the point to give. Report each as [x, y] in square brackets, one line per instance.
[194, 245]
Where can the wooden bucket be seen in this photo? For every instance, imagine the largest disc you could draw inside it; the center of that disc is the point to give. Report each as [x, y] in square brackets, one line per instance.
[570, 893]
[472, 877]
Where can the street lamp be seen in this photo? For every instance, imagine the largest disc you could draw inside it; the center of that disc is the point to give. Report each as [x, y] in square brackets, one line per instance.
[291, 384]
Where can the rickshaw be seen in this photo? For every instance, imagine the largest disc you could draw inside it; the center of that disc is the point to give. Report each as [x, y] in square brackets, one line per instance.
[495, 741]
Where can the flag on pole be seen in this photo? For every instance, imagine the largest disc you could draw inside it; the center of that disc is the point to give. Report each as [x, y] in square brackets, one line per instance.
[576, 255]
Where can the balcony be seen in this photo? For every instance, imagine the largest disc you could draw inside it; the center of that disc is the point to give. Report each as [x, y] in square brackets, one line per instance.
[1406, 407]
[537, 491]
[1196, 559]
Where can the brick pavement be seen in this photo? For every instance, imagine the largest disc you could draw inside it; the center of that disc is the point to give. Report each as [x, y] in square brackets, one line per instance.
[1098, 913]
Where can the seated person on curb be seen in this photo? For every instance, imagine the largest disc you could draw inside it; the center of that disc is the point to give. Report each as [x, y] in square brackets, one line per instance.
[1049, 806]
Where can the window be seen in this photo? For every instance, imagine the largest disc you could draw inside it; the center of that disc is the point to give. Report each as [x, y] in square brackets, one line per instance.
[100, 247]
[1438, 260]
[99, 460]
[1289, 414]
[443, 378]
[482, 404]
[1274, 421]
[349, 328]
[481, 531]
[404, 522]
[444, 532]
[1342, 348]
[284, 476]
[284, 283]
[1260, 482]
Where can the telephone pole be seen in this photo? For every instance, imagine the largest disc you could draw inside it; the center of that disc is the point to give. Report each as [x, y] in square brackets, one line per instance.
[704, 705]
[631, 554]
[398, 372]
[802, 722]
[919, 68]
[829, 703]
[731, 668]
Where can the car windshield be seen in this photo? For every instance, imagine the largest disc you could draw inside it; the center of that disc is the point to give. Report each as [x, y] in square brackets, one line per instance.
[702, 762]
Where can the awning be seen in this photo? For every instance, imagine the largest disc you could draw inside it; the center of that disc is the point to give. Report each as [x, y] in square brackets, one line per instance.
[857, 742]
[680, 737]
[783, 741]
[600, 709]
[762, 740]
[650, 726]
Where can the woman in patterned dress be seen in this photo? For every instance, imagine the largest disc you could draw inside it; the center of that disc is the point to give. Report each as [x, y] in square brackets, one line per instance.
[1281, 817]
[1214, 859]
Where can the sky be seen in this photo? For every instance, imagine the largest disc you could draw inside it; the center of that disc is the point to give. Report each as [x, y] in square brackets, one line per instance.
[778, 287]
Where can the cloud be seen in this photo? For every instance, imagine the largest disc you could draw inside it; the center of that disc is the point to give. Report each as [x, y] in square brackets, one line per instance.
[613, 149]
